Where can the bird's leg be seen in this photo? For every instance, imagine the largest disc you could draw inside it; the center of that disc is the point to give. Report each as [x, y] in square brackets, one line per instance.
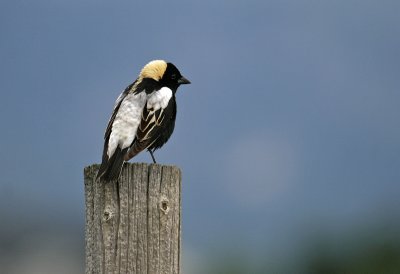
[152, 156]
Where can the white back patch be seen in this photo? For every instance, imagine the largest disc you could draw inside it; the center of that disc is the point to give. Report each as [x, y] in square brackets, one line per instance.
[126, 122]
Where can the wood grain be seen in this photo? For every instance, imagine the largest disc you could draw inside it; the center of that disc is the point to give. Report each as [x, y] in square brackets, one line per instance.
[134, 225]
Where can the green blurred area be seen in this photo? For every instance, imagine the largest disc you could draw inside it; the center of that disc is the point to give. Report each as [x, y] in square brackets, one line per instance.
[358, 252]
[384, 258]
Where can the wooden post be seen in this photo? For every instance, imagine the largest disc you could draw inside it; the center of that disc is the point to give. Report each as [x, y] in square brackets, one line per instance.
[134, 225]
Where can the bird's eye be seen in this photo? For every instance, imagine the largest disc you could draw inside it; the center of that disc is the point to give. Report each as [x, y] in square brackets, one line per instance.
[173, 76]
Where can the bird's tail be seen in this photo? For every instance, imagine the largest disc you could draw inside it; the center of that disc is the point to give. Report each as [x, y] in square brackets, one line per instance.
[110, 168]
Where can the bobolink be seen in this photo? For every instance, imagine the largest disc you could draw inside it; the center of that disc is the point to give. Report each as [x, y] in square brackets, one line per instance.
[143, 117]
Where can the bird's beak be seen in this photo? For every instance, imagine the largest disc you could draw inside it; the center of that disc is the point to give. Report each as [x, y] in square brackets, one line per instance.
[183, 81]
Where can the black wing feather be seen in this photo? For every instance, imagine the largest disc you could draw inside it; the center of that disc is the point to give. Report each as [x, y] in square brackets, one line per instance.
[154, 130]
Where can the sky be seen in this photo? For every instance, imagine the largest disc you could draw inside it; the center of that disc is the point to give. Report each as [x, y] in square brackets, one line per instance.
[289, 129]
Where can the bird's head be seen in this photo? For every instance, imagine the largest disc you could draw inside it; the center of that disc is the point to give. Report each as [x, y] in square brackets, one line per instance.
[166, 74]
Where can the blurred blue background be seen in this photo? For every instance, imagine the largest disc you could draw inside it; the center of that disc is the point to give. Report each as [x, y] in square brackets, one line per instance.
[288, 137]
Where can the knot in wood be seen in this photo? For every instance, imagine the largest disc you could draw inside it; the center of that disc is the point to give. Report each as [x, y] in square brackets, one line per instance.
[164, 205]
[108, 215]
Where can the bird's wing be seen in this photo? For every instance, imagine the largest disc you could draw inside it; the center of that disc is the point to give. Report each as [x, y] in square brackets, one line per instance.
[153, 116]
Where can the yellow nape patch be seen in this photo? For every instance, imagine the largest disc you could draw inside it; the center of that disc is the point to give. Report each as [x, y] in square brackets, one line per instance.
[155, 70]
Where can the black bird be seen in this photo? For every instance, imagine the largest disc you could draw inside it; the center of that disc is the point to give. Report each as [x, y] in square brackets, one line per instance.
[143, 117]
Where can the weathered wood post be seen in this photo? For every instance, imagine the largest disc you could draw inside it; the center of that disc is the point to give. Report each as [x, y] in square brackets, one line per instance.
[134, 226]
